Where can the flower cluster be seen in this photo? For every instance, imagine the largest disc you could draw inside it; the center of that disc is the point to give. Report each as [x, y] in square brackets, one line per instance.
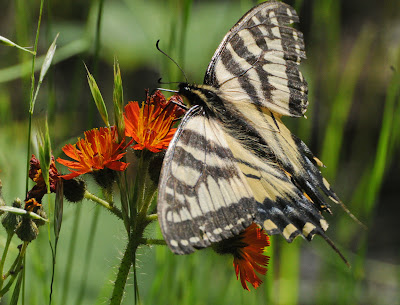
[149, 126]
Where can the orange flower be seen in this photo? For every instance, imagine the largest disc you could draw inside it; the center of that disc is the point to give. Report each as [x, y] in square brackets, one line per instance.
[98, 150]
[35, 173]
[247, 249]
[150, 125]
[249, 256]
[32, 205]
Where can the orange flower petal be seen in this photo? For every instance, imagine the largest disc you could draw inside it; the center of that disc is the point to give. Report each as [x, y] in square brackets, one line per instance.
[150, 125]
[98, 150]
[248, 254]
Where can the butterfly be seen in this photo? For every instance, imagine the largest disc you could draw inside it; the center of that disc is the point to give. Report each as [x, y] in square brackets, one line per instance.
[232, 161]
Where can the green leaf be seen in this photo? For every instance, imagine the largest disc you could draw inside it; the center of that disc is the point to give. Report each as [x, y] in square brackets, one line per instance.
[9, 43]
[58, 210]
[98, 99]
[48, 59]
[19, 211]
[118, 100]
[45, 154]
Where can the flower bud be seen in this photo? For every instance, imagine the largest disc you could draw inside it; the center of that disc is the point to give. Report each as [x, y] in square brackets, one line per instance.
[41, 213]
[74, 189]
[105, 178]
[10, 220]
[155, 166]
[27, 230]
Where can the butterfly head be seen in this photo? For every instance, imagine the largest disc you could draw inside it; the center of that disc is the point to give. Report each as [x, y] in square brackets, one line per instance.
[202, 95]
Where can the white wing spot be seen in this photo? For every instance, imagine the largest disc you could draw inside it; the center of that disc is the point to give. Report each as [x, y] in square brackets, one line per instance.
[297, 48]
[184, 242]
[301, 79]
[308, 227]
[210, 237]
[324, 224]
[217, 231]
[269, 225]
[289, 230]
[229, 227]
[241, 220]
[173, 243]
[194, 240]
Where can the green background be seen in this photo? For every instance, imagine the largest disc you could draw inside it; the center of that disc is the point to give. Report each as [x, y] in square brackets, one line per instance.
[353, 125]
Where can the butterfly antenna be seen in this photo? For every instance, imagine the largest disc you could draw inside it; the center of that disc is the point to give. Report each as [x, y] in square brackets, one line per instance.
[168, 90]
[158, 48]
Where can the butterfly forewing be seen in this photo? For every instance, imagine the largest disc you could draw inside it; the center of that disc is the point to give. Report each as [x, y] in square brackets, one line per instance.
[257, 61]
[203, 195]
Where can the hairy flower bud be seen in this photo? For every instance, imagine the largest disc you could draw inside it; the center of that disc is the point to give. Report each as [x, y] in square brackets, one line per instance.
[105, 178]
[27, 230]
[41, 213]
[10, 220]
[155, 166]
[74, 189]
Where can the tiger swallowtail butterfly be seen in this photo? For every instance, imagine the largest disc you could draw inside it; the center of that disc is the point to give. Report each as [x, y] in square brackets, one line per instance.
[232, 161]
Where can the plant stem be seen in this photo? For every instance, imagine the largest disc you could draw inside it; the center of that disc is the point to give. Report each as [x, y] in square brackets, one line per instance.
[151, 241]
[31, 103]
[70, 256]
[3, 258]
[113, 209]
[15, 269]
[151, 217]
[123, 271]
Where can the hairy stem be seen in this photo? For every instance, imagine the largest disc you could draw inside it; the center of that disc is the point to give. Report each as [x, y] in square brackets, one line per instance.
[112, 208]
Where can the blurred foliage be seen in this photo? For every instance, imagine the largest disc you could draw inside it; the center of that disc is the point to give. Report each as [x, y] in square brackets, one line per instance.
[353, 124]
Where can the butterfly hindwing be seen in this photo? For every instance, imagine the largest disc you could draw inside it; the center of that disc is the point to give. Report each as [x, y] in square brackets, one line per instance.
[257, 61]
[203, 195]
[284, 206]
